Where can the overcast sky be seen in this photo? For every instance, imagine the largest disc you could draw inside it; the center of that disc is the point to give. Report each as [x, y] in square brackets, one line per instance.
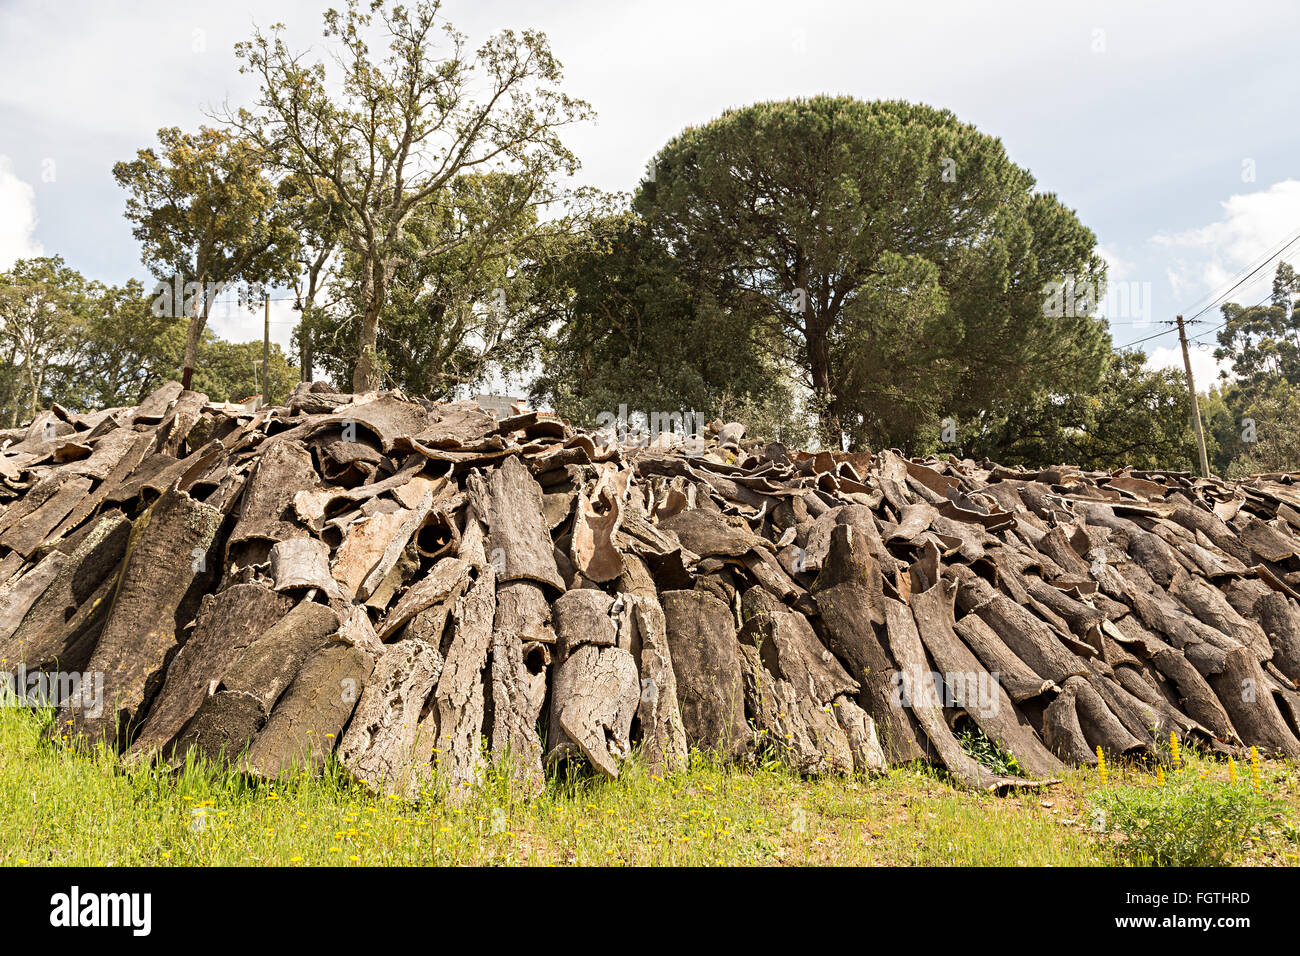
[1170, 129]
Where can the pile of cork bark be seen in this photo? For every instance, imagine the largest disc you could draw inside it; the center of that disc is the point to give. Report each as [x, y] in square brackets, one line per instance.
[423, 590]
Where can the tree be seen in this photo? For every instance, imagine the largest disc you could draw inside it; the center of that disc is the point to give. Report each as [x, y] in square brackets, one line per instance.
[390, 136]
[1262, 341]
[230, 371]
[42, 311]
[1270, 432]
[318, 220]
[1252, 414]
[621, 324]
[892, 248]
[206, 215]
[126, 351]
[1137, 417]
[449, 319]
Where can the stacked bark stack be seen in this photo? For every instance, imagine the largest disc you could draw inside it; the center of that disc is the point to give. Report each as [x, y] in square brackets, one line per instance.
[425, 589]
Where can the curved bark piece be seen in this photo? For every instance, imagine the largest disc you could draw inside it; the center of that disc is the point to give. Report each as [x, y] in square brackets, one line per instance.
[388, 746]
[19, 598]
[595, 696]
[711, 534]
[518, 542]
[460, 695]
[221, 730]
[1017, 678]
[916, 687]
[283, 470]
[1062, 732]
[848, 613]
[226, 624]
[592, 550]
[140, 631]
[516, 696]
[441, 586]
[301, 563]
[805, 735]
[706, 663]
[1196, 696]
[791, 651]
[582, 616]
[26, 535]
[305, 725]
[995, 714]
[1243, 689]
[846, 617]
[663, 736]
[1280, 619]
[1101, 726]
[265, 667]
[373, 545]
[860, 732]
[1030, 639]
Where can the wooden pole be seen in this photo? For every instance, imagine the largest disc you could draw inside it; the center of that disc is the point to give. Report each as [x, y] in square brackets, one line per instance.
[265, 353]
[1196, 406]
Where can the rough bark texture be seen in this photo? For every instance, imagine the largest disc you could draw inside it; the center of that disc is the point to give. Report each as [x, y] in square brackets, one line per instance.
[389, 744]
[460, 695]
[305, 725]
[663, 736]
[594, 697]
[706, 663]
[526, 590]
[227, 623]
[140, 631]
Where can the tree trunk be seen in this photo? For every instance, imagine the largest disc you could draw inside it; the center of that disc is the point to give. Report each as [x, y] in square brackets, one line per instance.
[197, 323]
[366, 376]
[35, 388]
[820, 372]
[306, 360]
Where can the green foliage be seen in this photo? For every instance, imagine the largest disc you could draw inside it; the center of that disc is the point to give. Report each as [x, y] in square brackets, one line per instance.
[972, 739]
[87, 345]
[127, 350]
[1263, 341]
[630, 328]
[385, 139]
[1187, 822]
[205, 212]
[227, 372]
[1255, 416]
[896, 255]
[42, 318]
[450, 317]
[1137, 417]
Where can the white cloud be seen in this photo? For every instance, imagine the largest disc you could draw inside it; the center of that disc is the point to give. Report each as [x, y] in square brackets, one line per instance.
[1117, 268]
[237, 324]
[1205, 368]
[1208, 259]
[17, 217]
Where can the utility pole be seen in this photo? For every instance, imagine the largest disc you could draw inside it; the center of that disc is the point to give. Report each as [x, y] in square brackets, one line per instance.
[265, 355]
[1196, 406]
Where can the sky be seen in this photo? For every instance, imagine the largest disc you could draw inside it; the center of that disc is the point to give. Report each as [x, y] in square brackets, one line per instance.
[1165, 126]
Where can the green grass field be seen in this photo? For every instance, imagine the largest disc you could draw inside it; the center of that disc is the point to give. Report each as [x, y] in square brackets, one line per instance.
[58, 807]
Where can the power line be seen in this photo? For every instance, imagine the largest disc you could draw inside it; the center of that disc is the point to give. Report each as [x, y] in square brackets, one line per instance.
[1124, 348]
[1225, 322]
[1268, 258]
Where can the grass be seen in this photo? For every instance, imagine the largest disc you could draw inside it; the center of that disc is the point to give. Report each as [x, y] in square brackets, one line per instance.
[58, 807]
